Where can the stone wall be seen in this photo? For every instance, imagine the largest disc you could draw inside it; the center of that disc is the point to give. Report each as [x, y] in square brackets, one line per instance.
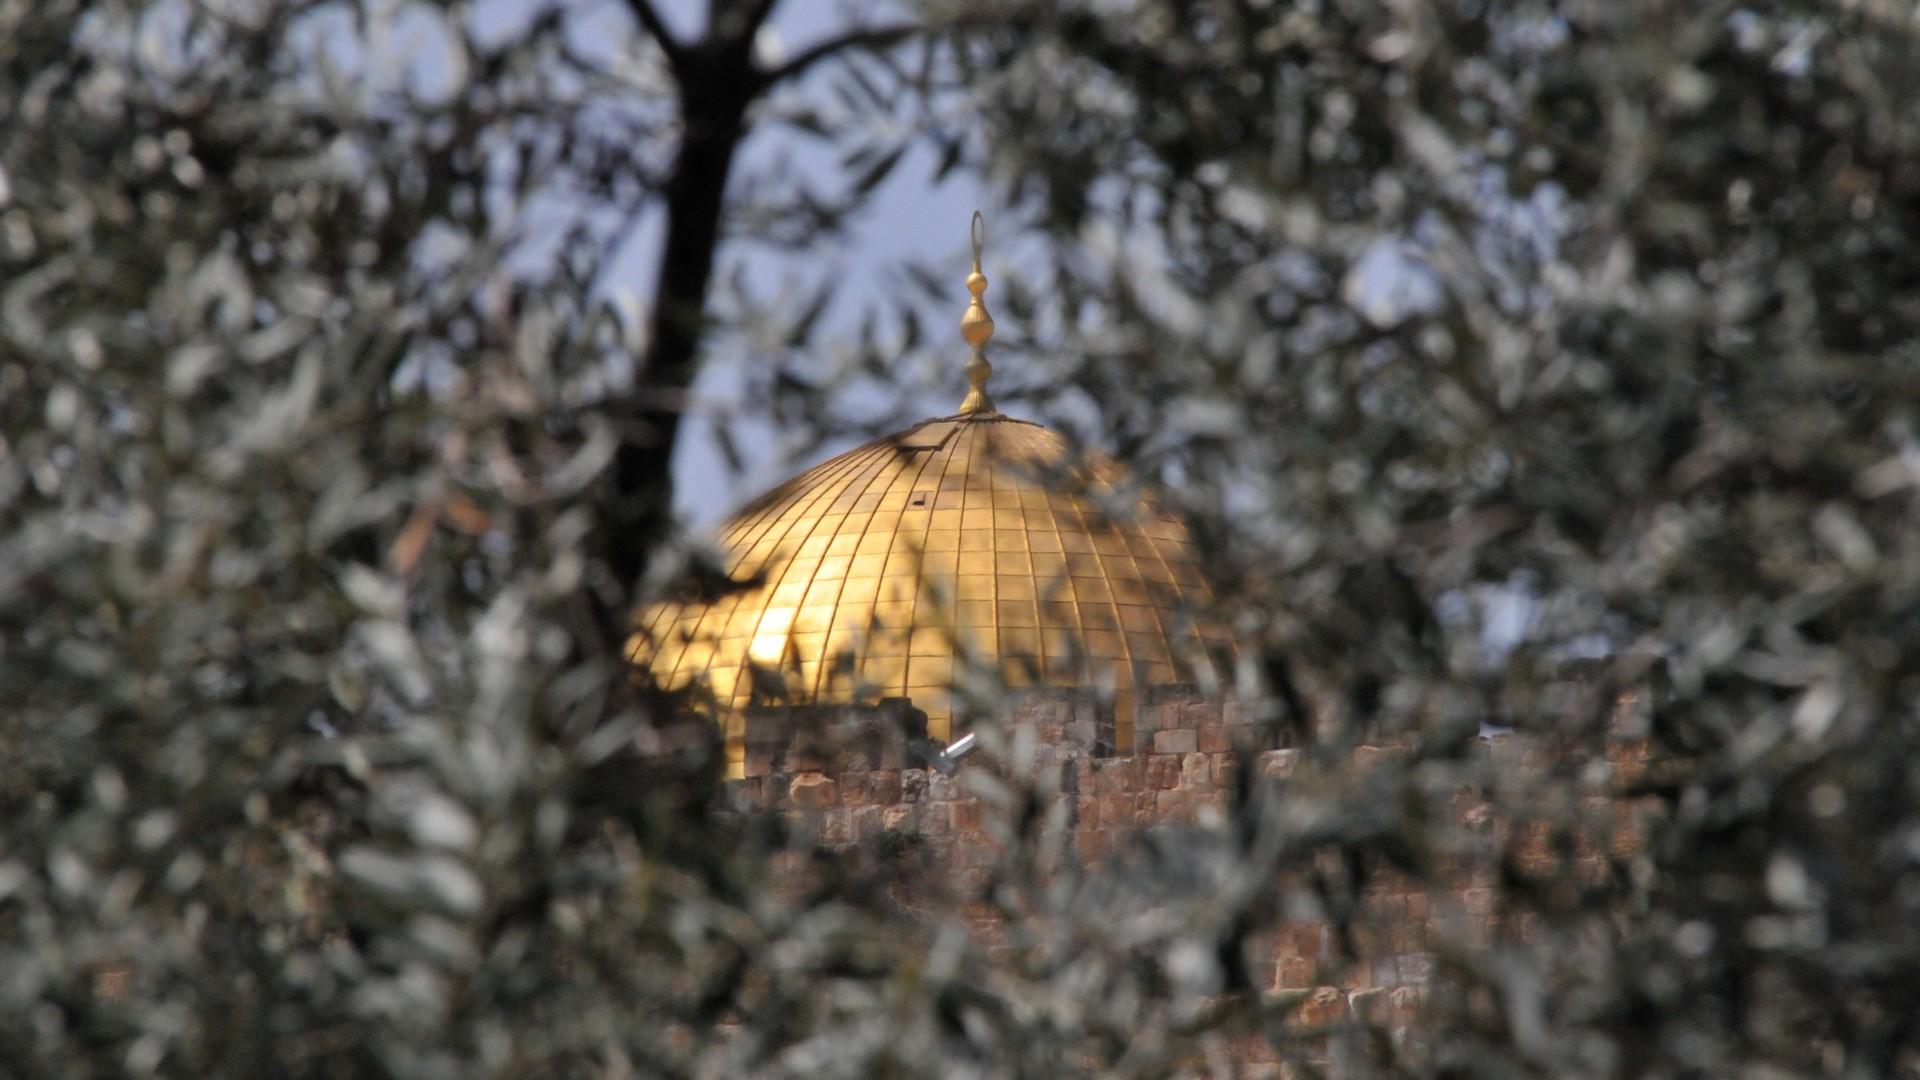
[859, 776]
[854, 774]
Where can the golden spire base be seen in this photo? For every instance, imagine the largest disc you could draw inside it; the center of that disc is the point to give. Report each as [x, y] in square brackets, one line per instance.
[977, 327]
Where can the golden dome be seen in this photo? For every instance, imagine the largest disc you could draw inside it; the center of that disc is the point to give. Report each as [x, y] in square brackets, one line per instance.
[974, 535]
[974, 539]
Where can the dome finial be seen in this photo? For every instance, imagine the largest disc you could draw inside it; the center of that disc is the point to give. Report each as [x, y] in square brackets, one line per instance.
[977, 327]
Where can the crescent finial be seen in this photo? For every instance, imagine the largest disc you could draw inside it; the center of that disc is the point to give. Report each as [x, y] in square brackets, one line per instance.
[976, 326]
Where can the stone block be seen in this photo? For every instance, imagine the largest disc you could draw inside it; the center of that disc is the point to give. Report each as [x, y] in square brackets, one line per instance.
[913, 785]
[1079, 738]
[883, 787]
[1324, 1007]
[853, 756]
[1173, 693]
[1174, 805]
[1079, 776]
[1224, 768]
[935, 818]
[768, 729]
[1251, 737]
[1305, 940]
[1414, 969]
[1276, 763]
[1096, 722]
[1119, 809]
[808, 747]
[899, 819]
[852, 785]
[966, 815]
[813, 790]
[1115, 775]
[1211, 736]
[1092, 843]
[1403, 1005]
[1163, 771]
[1263, 967]
[759, 761]
[836, 827]
[1196, 771]
[1176, 741]
[778, 792]
[1048, 721]
[1151, 718]
[1295, 973]
[1195, 713]
[1369, 1005]
[1376, 756]
[1384, 972]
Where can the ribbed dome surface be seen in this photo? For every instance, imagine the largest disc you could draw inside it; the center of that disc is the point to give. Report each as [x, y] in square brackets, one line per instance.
[977, 535]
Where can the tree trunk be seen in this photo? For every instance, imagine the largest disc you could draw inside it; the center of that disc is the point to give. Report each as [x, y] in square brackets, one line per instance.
[718, 82]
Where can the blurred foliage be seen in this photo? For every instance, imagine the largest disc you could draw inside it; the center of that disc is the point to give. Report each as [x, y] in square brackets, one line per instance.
[1509, 358]
[1513, 346]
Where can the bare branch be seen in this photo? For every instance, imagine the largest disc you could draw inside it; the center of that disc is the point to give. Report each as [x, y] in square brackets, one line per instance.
[760, 11]
[742, 19]
[654, 25]
[878, 37]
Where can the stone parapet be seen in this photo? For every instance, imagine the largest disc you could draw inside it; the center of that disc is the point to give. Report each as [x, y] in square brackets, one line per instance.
[864, 776]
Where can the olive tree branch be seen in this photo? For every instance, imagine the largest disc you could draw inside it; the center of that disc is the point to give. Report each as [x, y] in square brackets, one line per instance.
[654, 25]
[876, 37]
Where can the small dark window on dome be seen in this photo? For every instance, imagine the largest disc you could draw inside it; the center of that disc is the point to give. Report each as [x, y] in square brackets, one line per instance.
[919, 498]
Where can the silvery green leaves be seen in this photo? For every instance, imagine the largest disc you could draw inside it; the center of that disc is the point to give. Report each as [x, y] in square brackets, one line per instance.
[1542, 366]
[1582, 340]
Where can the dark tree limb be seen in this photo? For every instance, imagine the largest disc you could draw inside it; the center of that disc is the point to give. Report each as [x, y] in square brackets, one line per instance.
[717, 81]
[741, 18]
[656, 27]
[877, 37]
[760, 10]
